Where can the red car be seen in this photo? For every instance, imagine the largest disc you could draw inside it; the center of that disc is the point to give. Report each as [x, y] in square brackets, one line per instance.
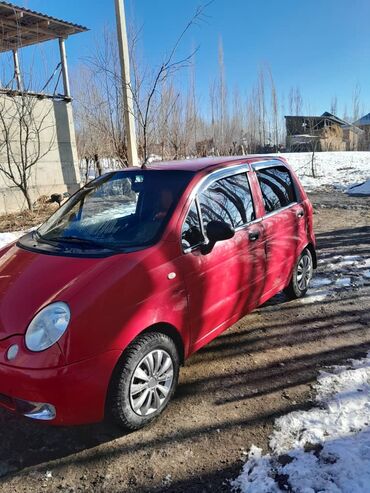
[101, 305]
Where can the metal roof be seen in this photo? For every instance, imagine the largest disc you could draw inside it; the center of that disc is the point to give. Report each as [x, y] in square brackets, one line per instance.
[23, 27]
[363, 121]
[329, 116]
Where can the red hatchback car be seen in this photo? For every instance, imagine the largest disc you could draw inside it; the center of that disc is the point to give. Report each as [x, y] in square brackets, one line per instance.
[140, 268]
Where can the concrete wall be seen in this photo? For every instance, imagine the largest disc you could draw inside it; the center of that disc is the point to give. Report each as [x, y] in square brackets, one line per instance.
[57, 171]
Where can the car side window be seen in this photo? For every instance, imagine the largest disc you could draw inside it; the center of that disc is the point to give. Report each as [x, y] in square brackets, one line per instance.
[228, 199]
[277, 188]
[191, 234]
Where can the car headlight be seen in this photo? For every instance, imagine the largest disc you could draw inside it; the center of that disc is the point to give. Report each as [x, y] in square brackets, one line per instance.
[48, 326]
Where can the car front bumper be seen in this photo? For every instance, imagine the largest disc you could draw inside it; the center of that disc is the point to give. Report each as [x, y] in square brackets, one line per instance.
[67, 395]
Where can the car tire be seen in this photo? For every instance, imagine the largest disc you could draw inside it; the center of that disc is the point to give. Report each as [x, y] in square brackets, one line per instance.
[301, 277]
[144, 380]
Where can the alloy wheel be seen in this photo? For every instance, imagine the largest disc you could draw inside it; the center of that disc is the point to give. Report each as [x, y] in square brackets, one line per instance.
[304, 272]
[151, 382]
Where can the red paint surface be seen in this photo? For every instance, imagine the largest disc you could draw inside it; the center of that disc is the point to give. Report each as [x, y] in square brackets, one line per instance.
[113, 299]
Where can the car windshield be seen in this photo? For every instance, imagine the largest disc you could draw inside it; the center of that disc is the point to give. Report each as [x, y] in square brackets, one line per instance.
[123, 209]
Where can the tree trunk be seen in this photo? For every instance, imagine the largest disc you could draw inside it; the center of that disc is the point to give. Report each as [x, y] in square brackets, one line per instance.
[26, 195]
[98, 164]
[313, 171]
[87, 169]
[145, 145]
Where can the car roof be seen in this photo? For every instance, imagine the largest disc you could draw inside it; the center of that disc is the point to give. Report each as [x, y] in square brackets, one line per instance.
[200, 164]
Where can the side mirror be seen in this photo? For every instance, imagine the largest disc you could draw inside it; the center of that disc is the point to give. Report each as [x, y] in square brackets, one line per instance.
[217, 231]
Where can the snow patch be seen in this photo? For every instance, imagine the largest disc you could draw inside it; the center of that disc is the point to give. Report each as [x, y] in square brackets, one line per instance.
[317, 282]
[315, 295]
[6, 238]
[343, 282]
[342, 271]
[340, 170]
[325, 449]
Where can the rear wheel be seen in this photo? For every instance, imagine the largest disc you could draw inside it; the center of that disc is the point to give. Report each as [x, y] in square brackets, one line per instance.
[302, 274]
[145, 381]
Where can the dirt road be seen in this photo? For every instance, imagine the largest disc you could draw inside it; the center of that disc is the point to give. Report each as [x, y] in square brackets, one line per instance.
[229, 393]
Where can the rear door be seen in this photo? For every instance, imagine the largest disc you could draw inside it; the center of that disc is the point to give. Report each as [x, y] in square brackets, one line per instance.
[283, 224]
[221, 284]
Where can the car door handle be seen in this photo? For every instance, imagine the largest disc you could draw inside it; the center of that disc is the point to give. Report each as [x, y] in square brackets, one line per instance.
[300, 213]
[254, 235]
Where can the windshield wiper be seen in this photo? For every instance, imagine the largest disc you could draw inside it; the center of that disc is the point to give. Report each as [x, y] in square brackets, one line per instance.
[81, 241]
[39, 237]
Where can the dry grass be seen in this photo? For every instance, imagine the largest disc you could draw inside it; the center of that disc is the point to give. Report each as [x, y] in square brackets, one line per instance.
[27, 219]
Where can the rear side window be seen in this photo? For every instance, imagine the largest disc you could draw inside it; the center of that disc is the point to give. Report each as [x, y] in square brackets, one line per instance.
[191, 234]
[277, 188]
[228, 200]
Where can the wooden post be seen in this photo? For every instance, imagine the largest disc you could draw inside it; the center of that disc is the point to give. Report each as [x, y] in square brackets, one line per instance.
[63, 59]
[17, 71]
[128, 105]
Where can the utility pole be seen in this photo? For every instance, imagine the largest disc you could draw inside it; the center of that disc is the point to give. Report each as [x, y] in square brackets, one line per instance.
[128, 106]
[17, 71]
[63, 59]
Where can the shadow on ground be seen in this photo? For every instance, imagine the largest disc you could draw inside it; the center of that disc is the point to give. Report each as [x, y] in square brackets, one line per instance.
[290, 342]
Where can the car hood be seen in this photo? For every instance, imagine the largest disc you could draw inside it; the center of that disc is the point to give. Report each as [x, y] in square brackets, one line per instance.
[29, 281]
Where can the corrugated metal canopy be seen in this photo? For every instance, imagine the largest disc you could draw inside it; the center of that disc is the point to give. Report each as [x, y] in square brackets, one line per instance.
[23, 27]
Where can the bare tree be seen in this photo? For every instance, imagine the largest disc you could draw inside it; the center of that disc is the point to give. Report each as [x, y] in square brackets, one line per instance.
[314, 144]
[252, 122]
[192, 120]
[145, 107]
[356, 102]
[261, 107]
[28, 134]
[295, 101]
[346, 116]
[147, 88]
[98, 108]
[213, 109]
[274, 112]
[170, 122]
[262, 126]
[334, 105]
[222, 96]
[236, 125]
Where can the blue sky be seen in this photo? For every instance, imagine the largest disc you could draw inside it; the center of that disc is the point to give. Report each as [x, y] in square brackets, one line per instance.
[321, 46]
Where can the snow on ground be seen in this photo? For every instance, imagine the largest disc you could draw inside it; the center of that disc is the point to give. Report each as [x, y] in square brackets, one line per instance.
[6, 238]
[341, 271]
[334, 274]
[338, 169]
[325, 449]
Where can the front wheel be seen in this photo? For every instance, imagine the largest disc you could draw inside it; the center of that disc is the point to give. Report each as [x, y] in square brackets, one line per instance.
[301, 277]
[145, 380]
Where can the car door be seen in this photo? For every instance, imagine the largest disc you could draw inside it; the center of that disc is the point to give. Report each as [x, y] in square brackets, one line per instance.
[283, 225]
[221, 284]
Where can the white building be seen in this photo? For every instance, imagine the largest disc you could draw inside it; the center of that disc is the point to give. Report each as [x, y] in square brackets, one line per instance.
[47, 133]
